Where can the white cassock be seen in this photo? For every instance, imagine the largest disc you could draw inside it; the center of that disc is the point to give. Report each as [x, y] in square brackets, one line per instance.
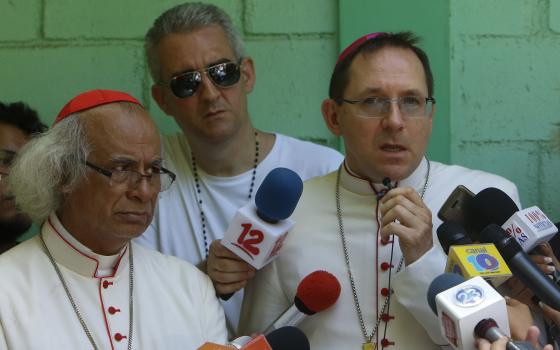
[315, 244]
[175, 306]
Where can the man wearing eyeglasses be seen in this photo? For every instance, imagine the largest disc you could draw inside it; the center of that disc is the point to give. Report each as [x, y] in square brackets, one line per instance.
[92, 180]
[372, 222]
[202, 77]
[18, 123]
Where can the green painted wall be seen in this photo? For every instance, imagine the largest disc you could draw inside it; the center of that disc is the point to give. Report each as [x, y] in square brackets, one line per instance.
[505, 95]
[50, 50]
[359, 17]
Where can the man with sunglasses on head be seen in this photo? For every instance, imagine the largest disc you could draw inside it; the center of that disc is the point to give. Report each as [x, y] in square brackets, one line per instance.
[92, 181]
[18, 123]
[372, 223]
[202, 77]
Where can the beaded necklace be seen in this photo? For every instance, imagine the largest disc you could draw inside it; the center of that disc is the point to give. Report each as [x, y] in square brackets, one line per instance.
[198, 190]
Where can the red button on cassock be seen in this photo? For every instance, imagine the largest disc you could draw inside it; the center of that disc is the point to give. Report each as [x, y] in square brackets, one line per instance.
[387, 317]
[113, 310]
[119, 337]
[385, 291]
[385, 266]
[106, 284]
[386, 342]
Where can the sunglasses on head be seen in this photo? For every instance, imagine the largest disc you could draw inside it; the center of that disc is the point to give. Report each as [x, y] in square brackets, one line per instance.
[222, 75]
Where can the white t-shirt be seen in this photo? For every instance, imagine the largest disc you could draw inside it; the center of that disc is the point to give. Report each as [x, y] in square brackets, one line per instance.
[177, 228]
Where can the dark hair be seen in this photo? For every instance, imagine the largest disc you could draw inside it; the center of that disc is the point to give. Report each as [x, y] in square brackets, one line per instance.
[405, 40]
[21, 116]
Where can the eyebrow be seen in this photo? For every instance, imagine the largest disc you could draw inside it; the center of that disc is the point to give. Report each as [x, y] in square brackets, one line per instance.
[409, 92]
[126, 160]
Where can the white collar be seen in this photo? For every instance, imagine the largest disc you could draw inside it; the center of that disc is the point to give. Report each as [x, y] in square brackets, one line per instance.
[354, 183]
[67, 251]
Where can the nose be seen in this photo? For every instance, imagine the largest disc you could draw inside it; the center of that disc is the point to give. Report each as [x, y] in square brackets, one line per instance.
[208, 90]
[144, 189]
[394, 120]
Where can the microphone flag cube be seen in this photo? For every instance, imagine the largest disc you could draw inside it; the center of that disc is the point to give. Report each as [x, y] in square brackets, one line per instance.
[471, 260]
[254, 240]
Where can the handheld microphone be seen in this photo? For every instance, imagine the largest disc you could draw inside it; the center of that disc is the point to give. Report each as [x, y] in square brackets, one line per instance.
[529, 226]
[285, 338]
[521, 265]
[257, 232]
[488, 329]
[316, 292]
[470, 260]
[461, 305]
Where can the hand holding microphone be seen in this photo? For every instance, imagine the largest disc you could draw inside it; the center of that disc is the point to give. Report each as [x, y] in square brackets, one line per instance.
[501, 343]
[256, 234]
[228, 272]
[404, 214]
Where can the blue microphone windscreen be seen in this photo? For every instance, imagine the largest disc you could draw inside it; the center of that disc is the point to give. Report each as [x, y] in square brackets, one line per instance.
[278, 195]
[288, 338]
[440, 284]
[489, 206]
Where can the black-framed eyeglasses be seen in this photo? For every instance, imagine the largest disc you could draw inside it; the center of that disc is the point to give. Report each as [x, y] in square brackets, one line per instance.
[159, 177]
[380, 107]
[222, 75]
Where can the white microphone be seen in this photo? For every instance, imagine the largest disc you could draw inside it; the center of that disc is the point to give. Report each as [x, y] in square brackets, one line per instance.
[257, 232]
[530, 227]
[461, 306]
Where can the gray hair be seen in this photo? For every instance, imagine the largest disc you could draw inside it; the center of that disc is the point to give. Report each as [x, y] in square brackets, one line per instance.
[49, 166]
[186, 18]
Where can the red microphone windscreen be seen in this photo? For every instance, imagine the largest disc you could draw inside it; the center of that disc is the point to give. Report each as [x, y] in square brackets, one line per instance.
[318, 290]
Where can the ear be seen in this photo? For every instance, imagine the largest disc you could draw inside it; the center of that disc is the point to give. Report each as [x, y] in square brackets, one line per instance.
[158, 95]
[248, 75]
[330, 108]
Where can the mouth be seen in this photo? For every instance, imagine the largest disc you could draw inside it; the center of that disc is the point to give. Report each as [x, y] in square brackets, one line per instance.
[134, 217]
[213, 113]
[392, 148]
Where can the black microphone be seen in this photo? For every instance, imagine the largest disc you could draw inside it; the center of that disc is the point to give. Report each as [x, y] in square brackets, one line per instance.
[288, 338]
[489, 330]
[521, 265]
[451, 233]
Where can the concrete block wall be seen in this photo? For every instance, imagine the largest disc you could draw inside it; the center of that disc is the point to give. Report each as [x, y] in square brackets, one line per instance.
[505, 93]
[50, 50]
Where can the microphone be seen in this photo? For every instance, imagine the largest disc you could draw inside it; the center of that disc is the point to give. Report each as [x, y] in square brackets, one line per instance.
[316, 292]
[257, 232]
[461, 305]
[285, 338]
[529, 226]
[470, 260]
[521, 265]
[488, 329]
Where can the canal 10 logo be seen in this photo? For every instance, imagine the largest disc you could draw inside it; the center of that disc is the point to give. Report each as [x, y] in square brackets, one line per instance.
[480, 259]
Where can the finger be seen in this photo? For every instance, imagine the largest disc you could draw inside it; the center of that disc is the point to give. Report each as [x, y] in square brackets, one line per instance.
[532, 337]
[408, 216]
[406, 192]
[482, 344]
[229, 265]
[229, 277]
[550, 313]
[228, 288]
[512, 301]
[219, 250]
